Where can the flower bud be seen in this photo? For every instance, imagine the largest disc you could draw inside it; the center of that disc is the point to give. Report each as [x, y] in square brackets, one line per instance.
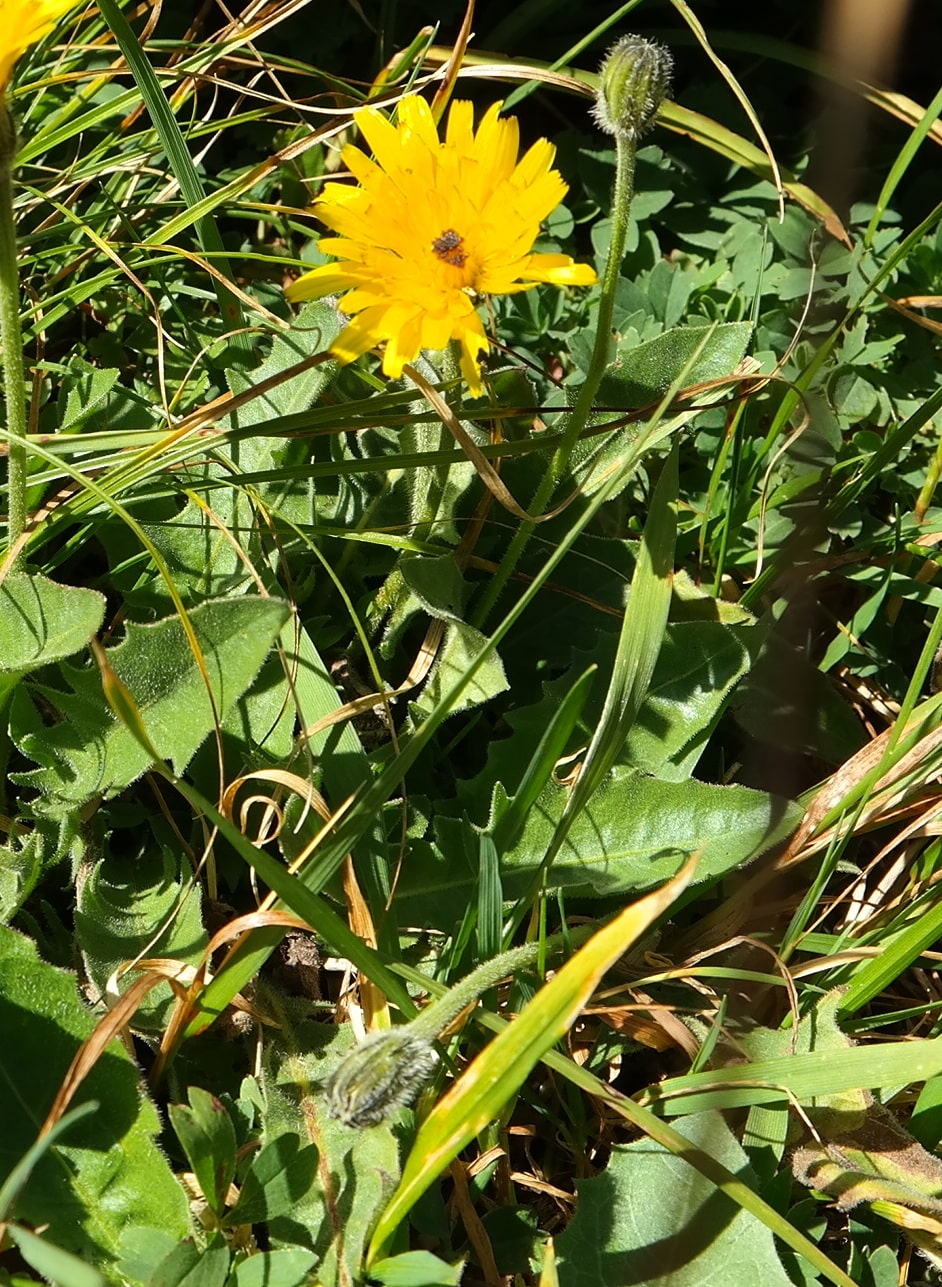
[633, 81]
[381, 1074]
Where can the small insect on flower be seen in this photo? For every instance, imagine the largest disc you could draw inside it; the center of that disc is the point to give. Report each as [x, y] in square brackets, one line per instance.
[430, 227]
[448, 248]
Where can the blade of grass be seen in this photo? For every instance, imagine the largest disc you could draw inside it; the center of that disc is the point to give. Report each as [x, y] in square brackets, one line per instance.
[696, 27]
[639, 646]
[517, 95]
[895, 956]
[901, 165]
[639, 642]
[801, 1077]
[665, 1135]
[552, 744]
[181, 163]
[479, 1095]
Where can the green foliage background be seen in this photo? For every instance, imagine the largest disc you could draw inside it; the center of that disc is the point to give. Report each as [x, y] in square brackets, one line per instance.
[290, 573]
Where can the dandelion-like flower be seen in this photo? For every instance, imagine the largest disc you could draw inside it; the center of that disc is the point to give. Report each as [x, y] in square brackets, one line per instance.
[23, 23]
[430, 227]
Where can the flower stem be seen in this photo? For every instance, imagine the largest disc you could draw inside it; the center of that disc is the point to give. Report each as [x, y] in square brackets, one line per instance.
[429, 1022]
[11, 339]
[426, 520]
[626, 150]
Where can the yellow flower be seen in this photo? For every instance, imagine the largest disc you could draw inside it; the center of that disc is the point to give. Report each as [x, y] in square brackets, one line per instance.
[431, 226]
[22, 23]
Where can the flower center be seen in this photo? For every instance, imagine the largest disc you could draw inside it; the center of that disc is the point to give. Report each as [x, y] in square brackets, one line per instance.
[448, 247]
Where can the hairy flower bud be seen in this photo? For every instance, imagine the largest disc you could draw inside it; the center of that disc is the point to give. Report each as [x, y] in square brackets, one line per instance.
[381, 1074]
[633, 82]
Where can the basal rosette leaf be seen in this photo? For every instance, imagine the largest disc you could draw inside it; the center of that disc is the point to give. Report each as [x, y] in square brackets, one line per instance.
[42, 622]
[633, 833]
[106, 1173]
[357, 1170]
[89, 753]
[128, 904]
[694, 1236]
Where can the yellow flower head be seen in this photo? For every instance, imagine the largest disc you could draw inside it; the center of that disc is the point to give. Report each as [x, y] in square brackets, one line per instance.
[430, 226]
[22, 23]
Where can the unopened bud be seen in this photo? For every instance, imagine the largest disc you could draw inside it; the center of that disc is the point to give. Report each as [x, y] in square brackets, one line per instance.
[381, 1074]
[633, 82]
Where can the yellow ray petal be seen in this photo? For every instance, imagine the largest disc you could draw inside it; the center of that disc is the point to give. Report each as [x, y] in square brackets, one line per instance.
[429, 226]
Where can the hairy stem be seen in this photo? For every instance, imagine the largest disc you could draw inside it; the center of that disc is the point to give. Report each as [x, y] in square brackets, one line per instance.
[11, 339]
[626, 149]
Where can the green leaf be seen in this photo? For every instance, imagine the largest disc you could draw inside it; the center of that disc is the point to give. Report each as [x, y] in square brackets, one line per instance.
[699, 664]
[88, 753]
[20, 868]
[190, 1266]
[437, 584]
[41, 622]
[279, 1177]
[84, 390]
[415, 1269]
[10, 1189]
[197, 545]
[640, 374]
[462, 644]
[434, 586]
[869, 1160]
[926, 1120]
[514, 1235]
[208, 1137]
[141, 1249]
[129, 903]
[358, 1169]
[312, 330]
[632, 833]
[289, 1267]
[55, 1265]
[786, 701]
[652, 1220]
[107, 1173]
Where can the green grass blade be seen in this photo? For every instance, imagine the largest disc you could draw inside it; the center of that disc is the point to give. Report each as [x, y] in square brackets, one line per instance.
[665, 1135]
[180, 160]
[552, 745]
[639, 643]
[893, 959]
[901, 165]
[503, 1066]
[802, 1077]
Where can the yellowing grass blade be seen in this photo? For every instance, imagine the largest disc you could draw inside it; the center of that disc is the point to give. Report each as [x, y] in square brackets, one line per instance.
[478, 1096]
